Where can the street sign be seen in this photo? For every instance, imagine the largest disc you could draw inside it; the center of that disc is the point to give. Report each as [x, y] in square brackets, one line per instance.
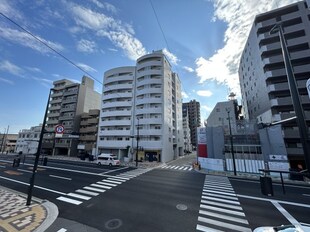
[277, 157]
[59, 129]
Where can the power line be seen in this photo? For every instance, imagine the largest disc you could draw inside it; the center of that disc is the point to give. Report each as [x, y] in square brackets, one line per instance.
[45, 44]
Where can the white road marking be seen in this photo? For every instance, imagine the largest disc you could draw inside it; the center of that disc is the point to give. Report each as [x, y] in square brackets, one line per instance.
[87, 192]
[69, 200]
[217, 187]
[113, 182]
[62, 230]
[126, 176]
[61, 177]
[286, 214]
[114, 170]
[221, 205]
[219, 195]
[105, 183]
[22, 170]
[217, 184]
[233, 212]
[99, 185]
[190, 169]
[121, 178]
[222, 216]
[282, 202]
[224, 224]
[217, 192]
[94, 189]
[221, 200]
[36, 186]
[171, 167]
[207, 229]
[186, 168]
[2, 166]
[114, 179]
[307, 195]
[78, 196]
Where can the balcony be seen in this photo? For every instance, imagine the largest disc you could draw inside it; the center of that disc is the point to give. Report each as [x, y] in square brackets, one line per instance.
[278, 87]
[285, 101]
[147, 72]
[116, 104]
[113, 144]
[149, 64]
[52, 122]
[88, 138]
[67, 109]
[66, 117]
[148, 100]
[302, 69]
[275, 73]
[116, 96]
[149, 110]
[54, 107]
[118, 86]
[71, 92]
[62, 145]
[58, 94]
[151, 132]
[294, 151]
[290, 133]
[93, 120]
[116, 123]
[70, 100]
[116, 112]
[118, 78]
[120, 133]
[293, 28]
[149, 90]
[151, 121]
[149, 81]
[55, 101]
[51, 115]
[296, 41]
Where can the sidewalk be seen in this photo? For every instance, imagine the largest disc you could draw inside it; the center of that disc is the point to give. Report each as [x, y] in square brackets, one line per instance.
[16, 216]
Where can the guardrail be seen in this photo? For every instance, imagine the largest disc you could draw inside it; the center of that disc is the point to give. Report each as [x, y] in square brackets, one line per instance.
[303, 173]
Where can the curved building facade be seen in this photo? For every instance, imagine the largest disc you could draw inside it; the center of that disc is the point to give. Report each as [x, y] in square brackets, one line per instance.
[142, 102]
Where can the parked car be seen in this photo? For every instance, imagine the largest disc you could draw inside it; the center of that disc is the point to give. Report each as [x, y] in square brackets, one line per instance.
[284, 228]
[107, 159]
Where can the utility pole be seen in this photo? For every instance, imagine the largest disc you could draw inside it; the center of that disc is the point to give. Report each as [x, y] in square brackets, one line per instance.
[231, 143]
[36, 161]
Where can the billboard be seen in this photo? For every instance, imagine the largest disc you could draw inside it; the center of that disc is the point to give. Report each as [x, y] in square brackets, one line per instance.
[202, 142]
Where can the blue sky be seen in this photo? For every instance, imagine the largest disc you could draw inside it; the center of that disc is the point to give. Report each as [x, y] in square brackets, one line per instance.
[203, 40]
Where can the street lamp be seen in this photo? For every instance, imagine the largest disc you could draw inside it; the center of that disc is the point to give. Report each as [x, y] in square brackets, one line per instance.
[137, 142]
[300, 117]
[36, 161]
[231, 142]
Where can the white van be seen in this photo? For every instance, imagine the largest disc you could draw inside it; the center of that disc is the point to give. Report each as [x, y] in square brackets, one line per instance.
[107, 159]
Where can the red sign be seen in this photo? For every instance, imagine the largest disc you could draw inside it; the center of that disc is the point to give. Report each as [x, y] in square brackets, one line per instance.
[59, 129]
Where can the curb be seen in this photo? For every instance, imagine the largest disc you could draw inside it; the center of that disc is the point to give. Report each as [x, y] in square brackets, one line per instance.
[52, 214]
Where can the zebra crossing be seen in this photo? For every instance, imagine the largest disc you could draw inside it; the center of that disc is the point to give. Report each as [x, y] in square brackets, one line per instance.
[179, 168]
[87, 192]
[220, 209]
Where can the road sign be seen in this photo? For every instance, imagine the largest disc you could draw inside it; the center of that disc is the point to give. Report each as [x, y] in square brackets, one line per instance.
[59, 129]
[277, 157]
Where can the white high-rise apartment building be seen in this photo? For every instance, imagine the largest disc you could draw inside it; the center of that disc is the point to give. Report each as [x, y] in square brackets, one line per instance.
[142, 101]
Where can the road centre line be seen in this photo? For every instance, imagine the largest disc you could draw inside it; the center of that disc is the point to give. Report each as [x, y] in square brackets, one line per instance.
[36, 186]
[270, 200]
[61, 177]
[286, 214]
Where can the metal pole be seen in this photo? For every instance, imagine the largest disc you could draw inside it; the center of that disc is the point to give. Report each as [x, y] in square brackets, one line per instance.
[137, 143]
[231, 144]
[302, 125]
[31, 184]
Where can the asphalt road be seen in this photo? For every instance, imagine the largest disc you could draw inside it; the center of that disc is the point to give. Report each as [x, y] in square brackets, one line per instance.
[168, 198]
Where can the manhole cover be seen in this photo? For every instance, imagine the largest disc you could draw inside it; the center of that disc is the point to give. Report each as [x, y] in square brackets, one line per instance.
[113, 224]
[181, 207]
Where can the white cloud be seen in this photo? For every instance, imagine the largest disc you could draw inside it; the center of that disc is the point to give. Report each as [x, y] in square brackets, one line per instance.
[171, 57]
[105, 5]
[7, 9]
[119, 33]
[10, 67]
[24, 39]
[6, 81]
[112, 49]
[222, 67]
[86, 67]
[188, 69]
[184, 95]
[86, 46]
[204, 93]
[34, 69]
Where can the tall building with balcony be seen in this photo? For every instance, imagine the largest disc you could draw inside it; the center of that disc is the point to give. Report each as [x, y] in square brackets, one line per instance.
[193, 109]
[68, 101]
[141, 111]
[88, 131]
[264, 86]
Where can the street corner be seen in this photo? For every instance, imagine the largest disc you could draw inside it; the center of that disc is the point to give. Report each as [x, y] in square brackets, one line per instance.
[16, 216]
